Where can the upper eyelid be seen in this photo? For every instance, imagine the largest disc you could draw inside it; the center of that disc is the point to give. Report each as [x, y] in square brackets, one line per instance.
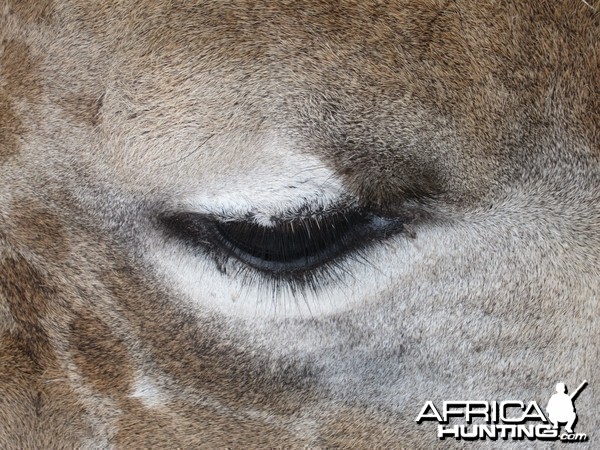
[300, 214]
[262, 202]
[303, 211]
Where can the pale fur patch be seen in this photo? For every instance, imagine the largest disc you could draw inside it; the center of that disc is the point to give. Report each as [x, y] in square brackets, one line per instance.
[148, 392]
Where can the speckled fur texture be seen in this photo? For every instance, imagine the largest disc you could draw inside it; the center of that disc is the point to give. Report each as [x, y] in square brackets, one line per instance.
[479, 122]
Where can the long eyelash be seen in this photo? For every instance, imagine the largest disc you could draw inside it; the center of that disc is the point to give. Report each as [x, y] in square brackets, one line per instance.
[201, 234]
[334, 273]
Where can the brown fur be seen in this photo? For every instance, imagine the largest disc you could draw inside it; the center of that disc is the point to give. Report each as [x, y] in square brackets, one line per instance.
[110, 110]
[19, 71]
[10, 128]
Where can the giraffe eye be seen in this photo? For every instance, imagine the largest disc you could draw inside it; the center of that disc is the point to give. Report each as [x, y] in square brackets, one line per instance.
[286, 246]
[295, 245]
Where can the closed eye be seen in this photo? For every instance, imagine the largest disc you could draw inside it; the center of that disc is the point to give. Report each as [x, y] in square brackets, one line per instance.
[292, 248]
[301, 244]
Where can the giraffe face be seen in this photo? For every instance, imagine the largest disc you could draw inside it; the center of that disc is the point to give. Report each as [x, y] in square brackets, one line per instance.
[291, 224]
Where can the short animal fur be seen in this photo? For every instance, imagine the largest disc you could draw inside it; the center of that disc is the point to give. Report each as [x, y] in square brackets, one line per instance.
[478, 123]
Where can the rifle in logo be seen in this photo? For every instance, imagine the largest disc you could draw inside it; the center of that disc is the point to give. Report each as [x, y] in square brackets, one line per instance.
[560, 406]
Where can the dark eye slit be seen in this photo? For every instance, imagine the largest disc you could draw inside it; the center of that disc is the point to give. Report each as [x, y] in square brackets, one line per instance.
[290, 246]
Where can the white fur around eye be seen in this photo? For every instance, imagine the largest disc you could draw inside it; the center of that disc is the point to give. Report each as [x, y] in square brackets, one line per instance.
[288, 181]
[197, 279]
[273, 182]
[292, 181]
